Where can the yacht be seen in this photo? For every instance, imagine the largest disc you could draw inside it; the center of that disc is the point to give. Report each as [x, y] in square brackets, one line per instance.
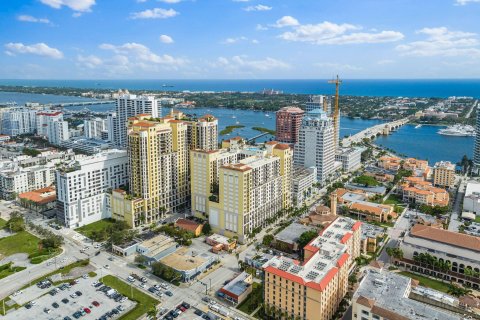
[418, 126]
[458, 130]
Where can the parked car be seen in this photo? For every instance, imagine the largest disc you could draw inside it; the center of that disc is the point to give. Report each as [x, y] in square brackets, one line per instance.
[65, 300]
[95, 303]
[169, 293]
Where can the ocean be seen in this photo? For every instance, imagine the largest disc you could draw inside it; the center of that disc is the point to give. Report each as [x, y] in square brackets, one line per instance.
[441, 88]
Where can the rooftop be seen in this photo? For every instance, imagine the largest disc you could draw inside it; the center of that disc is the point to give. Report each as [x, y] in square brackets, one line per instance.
[238, 285]
[447, 237]
[40, 196]
[185, 259]
[291, 233]
[387, 295]
[157, 245]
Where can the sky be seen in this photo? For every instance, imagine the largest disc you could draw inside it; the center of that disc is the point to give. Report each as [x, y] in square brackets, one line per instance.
[239, 39]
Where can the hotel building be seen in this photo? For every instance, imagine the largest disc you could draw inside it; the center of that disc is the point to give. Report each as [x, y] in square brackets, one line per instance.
[83, 185]
[313, 290]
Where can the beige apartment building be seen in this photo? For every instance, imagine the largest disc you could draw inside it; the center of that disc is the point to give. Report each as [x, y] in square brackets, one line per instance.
[312, 290]
[444, 174]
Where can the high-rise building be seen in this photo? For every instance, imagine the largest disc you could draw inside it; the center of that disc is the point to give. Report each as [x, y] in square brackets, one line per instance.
[313, 290]
[93, 128]
[238, 189]
[444, 174]
[318, 102]
[58, 132]
[351, 158]
[315, 146]
[158, 158]
[476, 149]
[45, 119]
[288, 122]
[15, 180]
[129, 105]
[112, 128]
[202, 133]
[83, 186]
[16, 121]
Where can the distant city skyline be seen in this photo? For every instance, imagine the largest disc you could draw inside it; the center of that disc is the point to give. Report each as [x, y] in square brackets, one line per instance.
[239, 39]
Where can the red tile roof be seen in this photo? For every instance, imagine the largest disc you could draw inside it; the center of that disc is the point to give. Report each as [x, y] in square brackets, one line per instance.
[447, 237]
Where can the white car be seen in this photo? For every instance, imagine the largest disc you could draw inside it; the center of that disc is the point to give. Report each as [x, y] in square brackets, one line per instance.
[106, 266]
[131, 279]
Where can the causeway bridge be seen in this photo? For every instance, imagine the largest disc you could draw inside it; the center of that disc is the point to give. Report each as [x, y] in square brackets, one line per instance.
[75, 104]
[373, 132]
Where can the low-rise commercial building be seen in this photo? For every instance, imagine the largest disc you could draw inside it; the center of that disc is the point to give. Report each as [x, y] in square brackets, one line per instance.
[156, 248]
[458, 253]
[219, 242]
[237, 290]
[351, 158]
[313, 290]
[444, 174]
[287, 239]
[383, 295]
[471, 201]
[371, 211]
[39, 200]
[188, 225]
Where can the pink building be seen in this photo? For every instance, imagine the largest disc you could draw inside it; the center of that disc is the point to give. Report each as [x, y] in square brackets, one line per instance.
[289, 120]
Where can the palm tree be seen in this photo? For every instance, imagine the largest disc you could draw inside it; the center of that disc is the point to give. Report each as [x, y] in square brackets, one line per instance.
[458, 291]
[152, 313]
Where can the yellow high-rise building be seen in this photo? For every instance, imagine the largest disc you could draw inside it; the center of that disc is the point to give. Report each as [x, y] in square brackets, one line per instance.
[238, 188]
[444, 174]
[158, 156]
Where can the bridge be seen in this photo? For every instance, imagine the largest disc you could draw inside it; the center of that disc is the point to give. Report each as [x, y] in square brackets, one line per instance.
[373, 132]
[258, 136]
[76, 104]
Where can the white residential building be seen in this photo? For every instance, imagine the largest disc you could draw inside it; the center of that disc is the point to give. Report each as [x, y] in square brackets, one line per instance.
[129, 105]
[58, 132]
[93, 128]
[471, 201]
[303, 181]
[112, 128]
[317, 102]
[45, 120]
[316, 147]
[15, 179]
[351, 158]
[16, 121]
[82, 186]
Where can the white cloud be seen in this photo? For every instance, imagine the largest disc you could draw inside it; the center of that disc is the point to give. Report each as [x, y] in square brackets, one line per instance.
[258, 7]
[337, 66]
[142, 53]
[261, 27]
[156, 13]
[286, 21]
[255, 41]
[234, 40]
[165, 39]
[442, 42]
[75, 5]
[332, 33]
[27, 18]
[40, 49]
[242, 63]
[465, 2]
[90, 61]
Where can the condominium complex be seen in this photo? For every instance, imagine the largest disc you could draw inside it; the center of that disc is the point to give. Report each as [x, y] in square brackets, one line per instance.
[458, 252]
[288, 122]
[94, 128]
[129, 105]
[312, 290]
[15, 179]
[315, 147]
[419, 191]
[159, 169]
[83, 186]
[476, 148]
[444, 174]
[350, 158]
[45, 119]
[58, 132]
[384, 295]
[16, 121]
[239, 187]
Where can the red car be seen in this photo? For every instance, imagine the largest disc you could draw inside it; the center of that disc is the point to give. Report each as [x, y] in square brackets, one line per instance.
[95, 303]
[182, 308]
[87, 310]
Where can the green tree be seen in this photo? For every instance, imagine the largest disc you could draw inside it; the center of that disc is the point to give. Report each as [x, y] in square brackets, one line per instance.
[366, 181]
[305, 238]
[267, 240]
[458, 291]
[207, 229]
[16, 222]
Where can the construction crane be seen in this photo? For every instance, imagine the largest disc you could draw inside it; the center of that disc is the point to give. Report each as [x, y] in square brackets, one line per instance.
[336, 112]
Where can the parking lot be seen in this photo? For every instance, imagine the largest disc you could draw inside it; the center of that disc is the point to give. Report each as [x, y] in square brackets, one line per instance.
[45, 304]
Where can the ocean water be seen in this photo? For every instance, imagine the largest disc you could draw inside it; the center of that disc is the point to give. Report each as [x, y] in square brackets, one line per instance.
[355, 87]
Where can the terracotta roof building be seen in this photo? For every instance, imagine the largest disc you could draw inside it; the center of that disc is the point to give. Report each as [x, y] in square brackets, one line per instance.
[190, 226]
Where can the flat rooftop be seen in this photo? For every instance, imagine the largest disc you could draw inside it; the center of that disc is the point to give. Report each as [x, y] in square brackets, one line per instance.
[291, 233]
[238, 285]
[157, 245]
[330, 253]
[184, 259]
[387, 294]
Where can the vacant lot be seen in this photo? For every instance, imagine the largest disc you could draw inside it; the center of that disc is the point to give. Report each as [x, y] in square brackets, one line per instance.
[21, 242]
[95, 227]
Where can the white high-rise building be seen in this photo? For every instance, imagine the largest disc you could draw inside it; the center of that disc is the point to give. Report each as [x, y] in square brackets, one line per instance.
[93, 128]
[45, 120]
[476, 150]
[129, 105]
[318, 102]
[112, 129]
[82, 186]
[17, 121]
[316, 147]
[58, 132]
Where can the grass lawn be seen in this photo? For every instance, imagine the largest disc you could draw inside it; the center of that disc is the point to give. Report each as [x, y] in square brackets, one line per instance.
[9, 269]
[245, 305]
[393, 199]
[144, 301]
[428, 282]
[477, 219]
[2, 223]
[96, 226]
[21, 242]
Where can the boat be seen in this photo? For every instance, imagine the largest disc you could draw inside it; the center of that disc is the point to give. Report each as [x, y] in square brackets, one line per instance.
[458, 130]
[234, 117]
[418, 126]
[267, 115]
[238, 122]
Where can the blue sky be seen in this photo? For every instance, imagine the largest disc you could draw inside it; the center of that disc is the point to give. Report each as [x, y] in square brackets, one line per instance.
[238, 39]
